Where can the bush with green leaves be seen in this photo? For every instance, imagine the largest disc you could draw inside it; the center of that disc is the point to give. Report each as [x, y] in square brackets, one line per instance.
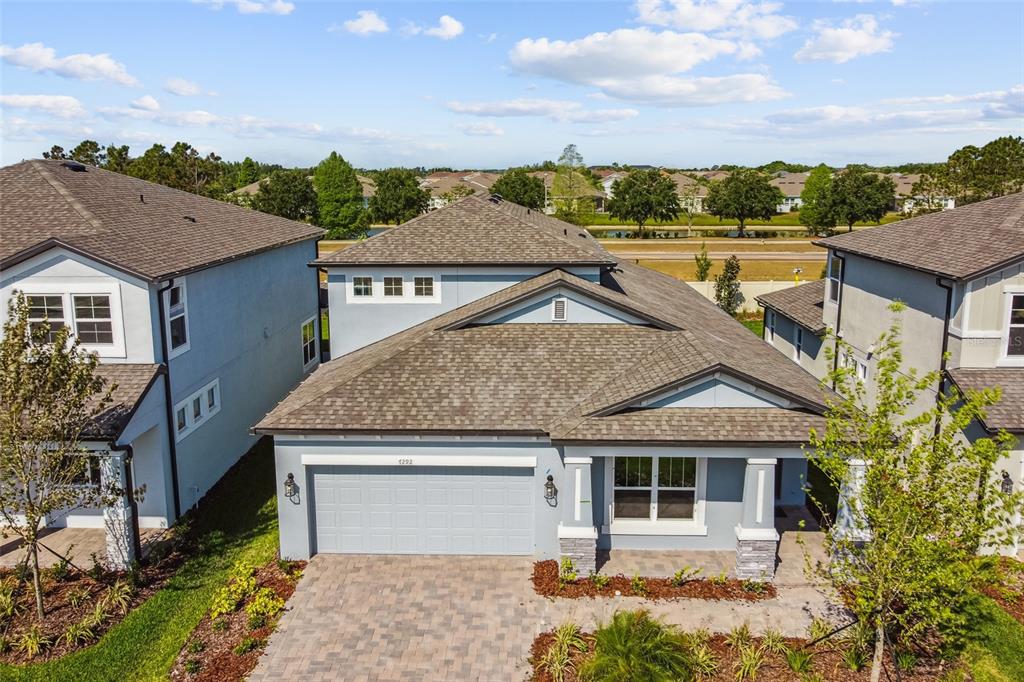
[196, 646]
[684, 575]
[599, 580]
[773, 642]
[79, 633]
[705, 663]
[638, 585]
[264, 605]
[818, 629]
[635, 646]
[98, 615]
[739, 636]
[241, 583]
[78, 596]
[567, 574]
[8, 600]
[906, 660]
[61, 570]
[750, 660]
[719, 580]
[32, 642]
[754, 586]
[558, 659]
[246, 645]
[119, 596]
[193, 666]
[799, 661]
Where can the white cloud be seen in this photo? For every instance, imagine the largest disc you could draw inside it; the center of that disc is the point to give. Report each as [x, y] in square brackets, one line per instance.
[854, 37]
[991, 96]
[680, 91]
[488, 37]
[15, 128]
[146, 103]
[185, 88]
[86, 67]
[481, 129]
[63, 106]
[560, 111]
[728, 17]
[280, 7]
[367, 22]
[446, 29]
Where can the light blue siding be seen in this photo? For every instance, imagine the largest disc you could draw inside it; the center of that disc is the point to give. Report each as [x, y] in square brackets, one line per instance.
[714, 393]
[579, 309]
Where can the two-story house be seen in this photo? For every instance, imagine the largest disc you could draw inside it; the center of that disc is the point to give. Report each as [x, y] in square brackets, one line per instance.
[504, 385]
[202, 313]
[961, 275]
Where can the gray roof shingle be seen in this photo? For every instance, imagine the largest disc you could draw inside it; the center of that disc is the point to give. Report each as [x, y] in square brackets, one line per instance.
[148, 230]
[476, 231]
[1008, 413]
[130, 384]
[961, 243]
[803, 304]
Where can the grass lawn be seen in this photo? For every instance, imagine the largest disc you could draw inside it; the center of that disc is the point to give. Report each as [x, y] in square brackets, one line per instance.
[238, 521]
[997, 652]
[692, 246]
[755, 324]
[750, 270]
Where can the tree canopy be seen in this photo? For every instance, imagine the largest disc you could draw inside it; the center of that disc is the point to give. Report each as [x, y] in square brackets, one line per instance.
[813, 212]
[855, 195]
[518, 186]
[339, 198]
[746, 194]
[289, 194]
[398, 197]
[973, 174]
[727, 286]
[644, 195]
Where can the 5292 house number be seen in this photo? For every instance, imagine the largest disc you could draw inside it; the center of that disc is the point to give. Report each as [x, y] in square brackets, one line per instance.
[405, 460]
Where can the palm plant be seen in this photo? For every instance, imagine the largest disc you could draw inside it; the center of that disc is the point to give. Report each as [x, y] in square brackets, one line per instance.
[635, 646]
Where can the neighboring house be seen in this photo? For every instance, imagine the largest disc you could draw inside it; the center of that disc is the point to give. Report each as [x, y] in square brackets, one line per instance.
[202, 313]
[608, 181]
[441, 183]
[791, 185]
[692, 193]
[554, 402]
[597, 196]
[960, 274]
[907, 201]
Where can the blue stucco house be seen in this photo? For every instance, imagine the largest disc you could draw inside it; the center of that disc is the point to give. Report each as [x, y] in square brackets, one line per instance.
[501, 384]
[202, 313]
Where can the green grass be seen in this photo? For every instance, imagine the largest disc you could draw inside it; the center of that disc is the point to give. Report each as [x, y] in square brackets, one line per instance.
[997, 652]
[755, 324]
[238, 521]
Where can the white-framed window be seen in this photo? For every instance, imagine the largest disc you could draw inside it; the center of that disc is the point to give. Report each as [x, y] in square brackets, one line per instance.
[392, 286]
[798, 344]
[176, 305]
[309, 343]
[835, 277]
[1015, 326]
[46, 307]
[197, 409]
[362, 286]
[559, 309]
[770, 325]
[88, 476]
[653, 488]
[423, 286]
[93, 322]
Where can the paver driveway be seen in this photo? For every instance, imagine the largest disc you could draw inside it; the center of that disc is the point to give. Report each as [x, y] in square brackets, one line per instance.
[359, 617]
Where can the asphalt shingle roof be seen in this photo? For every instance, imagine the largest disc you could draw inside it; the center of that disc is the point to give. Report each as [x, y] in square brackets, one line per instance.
[802, 304]
[477, 231]
[1008, 413]
[143, 228]
[130, 383]
[961, 243]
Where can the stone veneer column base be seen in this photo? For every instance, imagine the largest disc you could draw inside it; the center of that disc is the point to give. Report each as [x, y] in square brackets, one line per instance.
[755, 553]
[582, 550]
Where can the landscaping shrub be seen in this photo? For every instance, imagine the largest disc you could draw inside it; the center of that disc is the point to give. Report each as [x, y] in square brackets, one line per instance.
[558, 660]
[739, 636]
[685, 575]
[773, 642]
[638, 585]
[799, 661]
[31, 642]
[241, 583]
[567, 572]
[79, 633]
[119, 596]
[635, 646]
[750, 661]
[264, 606]
[599, 580]
[248, 644]
[705, 663]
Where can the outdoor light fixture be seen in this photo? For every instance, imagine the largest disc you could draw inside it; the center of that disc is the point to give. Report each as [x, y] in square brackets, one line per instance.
[550, 491]
[1007, 484]
[289, 486]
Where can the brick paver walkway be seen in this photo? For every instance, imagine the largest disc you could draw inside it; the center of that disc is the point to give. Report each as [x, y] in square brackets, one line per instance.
[360, 617]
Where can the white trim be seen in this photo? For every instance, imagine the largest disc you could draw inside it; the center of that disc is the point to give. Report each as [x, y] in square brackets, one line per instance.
[578, 496]
[205, 411]
[694, 526]
[1005, 359]
[584, 532]
[579, 460]
[756, 533]
[412, 459]
[724, 378]
[179, 282]
[402, 438]
[759, 514]
[768, 461]
[377, 288]
[67, 292]
[642, 527]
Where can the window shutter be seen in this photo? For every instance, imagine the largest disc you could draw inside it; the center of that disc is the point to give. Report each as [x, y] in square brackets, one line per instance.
[559, 311]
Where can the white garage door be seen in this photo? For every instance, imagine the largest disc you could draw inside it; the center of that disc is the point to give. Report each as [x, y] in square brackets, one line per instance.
[423, 510]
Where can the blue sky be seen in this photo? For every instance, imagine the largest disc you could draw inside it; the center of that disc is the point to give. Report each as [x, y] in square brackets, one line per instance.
[492, 84]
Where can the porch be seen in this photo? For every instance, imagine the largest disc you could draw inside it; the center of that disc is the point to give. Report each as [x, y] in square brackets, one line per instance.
[78, 544]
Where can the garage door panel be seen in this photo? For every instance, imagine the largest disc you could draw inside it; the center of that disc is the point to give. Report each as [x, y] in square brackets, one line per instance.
[432, 510]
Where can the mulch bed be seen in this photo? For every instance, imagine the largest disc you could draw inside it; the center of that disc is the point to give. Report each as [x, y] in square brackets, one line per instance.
[546, 583]
[59, 611]
[826, 662]
[1009, 593]
[212, 648]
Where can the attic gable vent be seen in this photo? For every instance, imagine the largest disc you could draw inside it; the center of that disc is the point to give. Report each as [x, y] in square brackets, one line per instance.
[558, 310]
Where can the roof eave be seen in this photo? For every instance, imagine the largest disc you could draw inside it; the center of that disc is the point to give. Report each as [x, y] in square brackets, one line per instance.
[371, 433]
[319, 263]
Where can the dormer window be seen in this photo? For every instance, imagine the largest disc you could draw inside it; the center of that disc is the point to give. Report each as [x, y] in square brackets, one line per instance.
[46, 308]
[558, 310]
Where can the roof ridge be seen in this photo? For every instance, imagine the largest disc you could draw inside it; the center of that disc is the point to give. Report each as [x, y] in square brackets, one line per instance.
[66, 194]
[536, 228]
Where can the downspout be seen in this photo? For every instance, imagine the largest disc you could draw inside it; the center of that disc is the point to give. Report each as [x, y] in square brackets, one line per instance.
[129, 484]
[168, 400]
[839, 312]
[945, 344]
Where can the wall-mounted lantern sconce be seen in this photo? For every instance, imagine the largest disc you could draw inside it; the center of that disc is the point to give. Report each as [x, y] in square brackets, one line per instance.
[1007, 484]
[290, 489]
[550, 491]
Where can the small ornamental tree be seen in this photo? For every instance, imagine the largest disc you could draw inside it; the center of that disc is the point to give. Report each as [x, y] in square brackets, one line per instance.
[921, 505]
[702, 262]
[518, 186]
[745, 195]
[727, 286]
[49, 394]
[644, 195]
[398, 197]
[339, 198]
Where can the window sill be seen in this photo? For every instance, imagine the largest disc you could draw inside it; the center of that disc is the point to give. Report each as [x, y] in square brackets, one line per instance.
[655, 528]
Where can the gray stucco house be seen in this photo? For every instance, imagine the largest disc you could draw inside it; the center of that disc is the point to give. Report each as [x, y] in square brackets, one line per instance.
[171, 291]
[530, 394]
[960, 273]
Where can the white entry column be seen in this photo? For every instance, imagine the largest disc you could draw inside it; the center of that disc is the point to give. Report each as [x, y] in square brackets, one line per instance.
[117, 515]
[756, 538]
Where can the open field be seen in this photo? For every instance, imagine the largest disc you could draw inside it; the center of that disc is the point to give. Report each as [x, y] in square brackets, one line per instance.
[750, 270]
[693, 245]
